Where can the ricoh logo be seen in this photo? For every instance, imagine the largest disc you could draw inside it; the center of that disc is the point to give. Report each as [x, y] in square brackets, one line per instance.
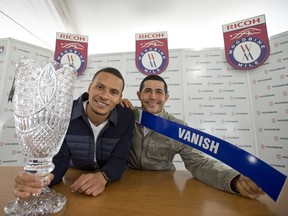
[151, 52]
[71, 49]
[244, 24]
[71, 37]
[151, 36]
[246, 43]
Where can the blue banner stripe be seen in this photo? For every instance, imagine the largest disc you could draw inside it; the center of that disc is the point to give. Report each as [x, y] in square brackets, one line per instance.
[267, 177]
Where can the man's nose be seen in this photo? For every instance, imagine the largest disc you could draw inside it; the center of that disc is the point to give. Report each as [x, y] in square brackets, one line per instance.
[153, 94]
[104, 94]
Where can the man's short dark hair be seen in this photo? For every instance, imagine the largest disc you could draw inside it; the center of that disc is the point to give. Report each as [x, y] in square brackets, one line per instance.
[112, 71]
[153, 77]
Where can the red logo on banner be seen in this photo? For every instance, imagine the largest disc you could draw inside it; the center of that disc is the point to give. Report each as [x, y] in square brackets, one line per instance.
[152, 52]
[246, 43]
[72, 49]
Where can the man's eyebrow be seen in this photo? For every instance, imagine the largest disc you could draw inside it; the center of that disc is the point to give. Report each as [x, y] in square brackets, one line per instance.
[102, 84]
[157, 89]
[99, 83]
[146, 88]
[114, 89]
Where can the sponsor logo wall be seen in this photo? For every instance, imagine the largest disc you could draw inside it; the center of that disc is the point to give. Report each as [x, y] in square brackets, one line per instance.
[245, 108]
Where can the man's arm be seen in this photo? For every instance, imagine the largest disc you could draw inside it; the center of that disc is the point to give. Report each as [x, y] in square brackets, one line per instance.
[61, 161]
[217, 174]
[94, 184]
[118, 160]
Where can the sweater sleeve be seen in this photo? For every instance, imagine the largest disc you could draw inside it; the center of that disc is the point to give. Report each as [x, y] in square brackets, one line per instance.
[207, 169]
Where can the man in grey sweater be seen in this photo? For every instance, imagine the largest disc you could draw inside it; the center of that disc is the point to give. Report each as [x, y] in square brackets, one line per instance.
[153, 151]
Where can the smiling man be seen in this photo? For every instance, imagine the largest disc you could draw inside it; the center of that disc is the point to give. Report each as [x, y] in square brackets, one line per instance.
[153, 151]
[98, 139]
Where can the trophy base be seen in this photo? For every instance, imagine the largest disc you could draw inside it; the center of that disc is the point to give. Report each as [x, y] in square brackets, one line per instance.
[47, 203]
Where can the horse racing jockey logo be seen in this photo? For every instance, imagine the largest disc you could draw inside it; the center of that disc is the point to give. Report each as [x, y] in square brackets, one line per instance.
[151, 52]
[246, 43]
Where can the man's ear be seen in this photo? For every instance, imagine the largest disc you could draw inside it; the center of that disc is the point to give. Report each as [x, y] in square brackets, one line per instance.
[166, 97]
[120, 98]
[89, 87]
[139, 95]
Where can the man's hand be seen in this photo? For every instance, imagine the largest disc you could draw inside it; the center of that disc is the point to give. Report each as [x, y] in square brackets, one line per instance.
[91, 184]
[247, 187]
[27, 184]
[126, 103]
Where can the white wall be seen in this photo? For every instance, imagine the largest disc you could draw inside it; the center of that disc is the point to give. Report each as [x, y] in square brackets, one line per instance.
[247, 109]
[111, 25]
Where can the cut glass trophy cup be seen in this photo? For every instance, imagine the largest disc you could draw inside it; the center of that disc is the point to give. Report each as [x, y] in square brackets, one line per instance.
[42, 101]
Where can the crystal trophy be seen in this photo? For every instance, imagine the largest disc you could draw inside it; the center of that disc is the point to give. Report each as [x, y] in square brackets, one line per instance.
[42, 101]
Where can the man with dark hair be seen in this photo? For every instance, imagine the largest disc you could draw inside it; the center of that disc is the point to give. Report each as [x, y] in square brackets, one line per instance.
[98, 139]
[153, 151]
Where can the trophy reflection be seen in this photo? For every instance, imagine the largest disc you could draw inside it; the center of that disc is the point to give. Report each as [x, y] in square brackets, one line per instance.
[42, 106]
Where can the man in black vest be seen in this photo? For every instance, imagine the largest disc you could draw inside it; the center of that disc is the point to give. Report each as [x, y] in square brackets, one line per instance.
[98, 139]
